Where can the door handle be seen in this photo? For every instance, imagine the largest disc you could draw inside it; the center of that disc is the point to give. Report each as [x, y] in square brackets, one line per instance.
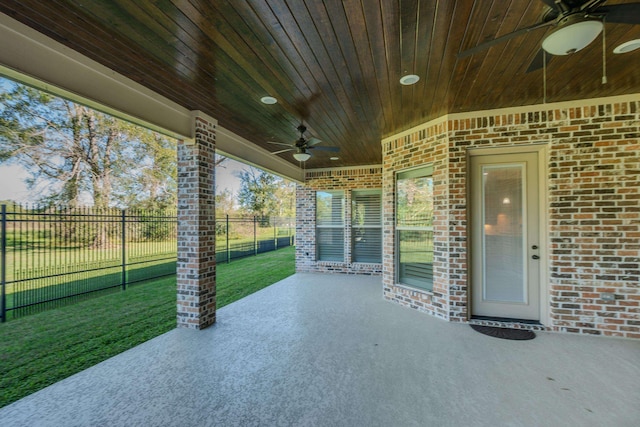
[535, 257]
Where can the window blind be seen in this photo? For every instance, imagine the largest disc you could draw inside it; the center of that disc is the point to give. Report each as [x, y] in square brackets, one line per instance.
[366, 224]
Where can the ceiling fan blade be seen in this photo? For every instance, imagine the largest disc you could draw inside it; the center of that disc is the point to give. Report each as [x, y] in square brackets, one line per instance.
[628, 13]
[588, 5]
[313, 141]
[278, 143]
[325, 148]
[552, 4]
[538, 61]
[282, 151]
[488, 44]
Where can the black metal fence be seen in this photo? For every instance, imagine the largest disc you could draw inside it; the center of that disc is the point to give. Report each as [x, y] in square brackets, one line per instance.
[241, 237]
[53, 256]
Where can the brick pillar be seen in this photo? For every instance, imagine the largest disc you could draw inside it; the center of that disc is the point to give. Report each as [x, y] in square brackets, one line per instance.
[196, 270]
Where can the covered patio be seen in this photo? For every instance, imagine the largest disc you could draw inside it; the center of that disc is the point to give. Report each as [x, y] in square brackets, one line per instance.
[326, 349]
[386, 95]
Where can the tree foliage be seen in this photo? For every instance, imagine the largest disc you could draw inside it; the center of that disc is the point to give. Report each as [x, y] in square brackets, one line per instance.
[415, 202]
[264, 194]
[83, 154]
[225, 204]
[152, 184]
[286, 197]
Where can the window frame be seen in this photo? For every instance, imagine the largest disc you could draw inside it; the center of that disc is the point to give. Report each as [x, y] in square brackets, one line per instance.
[332, 225]
[423, 171]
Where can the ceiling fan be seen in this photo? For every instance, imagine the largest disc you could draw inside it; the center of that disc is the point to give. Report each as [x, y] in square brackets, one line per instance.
[578, 23]
[302, 146]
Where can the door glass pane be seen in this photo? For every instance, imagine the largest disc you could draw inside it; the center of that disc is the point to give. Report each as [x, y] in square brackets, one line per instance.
[503, 244]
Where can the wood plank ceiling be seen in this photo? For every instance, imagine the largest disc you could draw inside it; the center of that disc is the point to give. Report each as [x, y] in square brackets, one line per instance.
[335, 64]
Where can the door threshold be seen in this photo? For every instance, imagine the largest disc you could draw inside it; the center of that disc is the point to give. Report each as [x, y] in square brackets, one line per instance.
[505, 322]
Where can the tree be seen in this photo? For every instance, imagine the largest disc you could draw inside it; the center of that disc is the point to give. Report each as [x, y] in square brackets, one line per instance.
[257, 192]
[286, 197]
[265, 194]
[225, 204]
[83, 153]
[219, 160]
[152, 184]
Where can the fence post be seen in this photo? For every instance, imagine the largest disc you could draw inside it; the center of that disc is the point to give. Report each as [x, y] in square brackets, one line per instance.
[275, 233]
[124, 250]
[3, 263]
[227, 235]
[255, 235]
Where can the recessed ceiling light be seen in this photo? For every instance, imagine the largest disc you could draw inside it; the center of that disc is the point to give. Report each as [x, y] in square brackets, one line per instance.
[269, 100]
[334, 158]
[409, 79]
[627, 46]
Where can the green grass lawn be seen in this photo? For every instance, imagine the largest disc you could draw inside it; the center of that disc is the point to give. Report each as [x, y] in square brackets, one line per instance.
[41, 349]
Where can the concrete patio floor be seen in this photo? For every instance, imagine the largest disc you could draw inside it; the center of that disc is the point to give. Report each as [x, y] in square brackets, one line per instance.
[327, 350]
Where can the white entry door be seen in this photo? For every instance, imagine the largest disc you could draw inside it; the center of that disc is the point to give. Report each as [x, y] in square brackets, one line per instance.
[505, 270]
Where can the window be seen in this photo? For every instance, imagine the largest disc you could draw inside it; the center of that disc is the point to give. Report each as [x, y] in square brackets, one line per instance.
[330, 226]
[414, 228]
[366, 226]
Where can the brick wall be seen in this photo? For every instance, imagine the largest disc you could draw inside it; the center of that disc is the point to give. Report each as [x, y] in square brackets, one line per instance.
[593, 208]
[196, 268]
[426, 146]
[347, 180]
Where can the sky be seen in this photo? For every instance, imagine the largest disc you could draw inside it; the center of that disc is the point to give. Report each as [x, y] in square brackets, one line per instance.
[13, 177]
[12, 185]
[226, 175]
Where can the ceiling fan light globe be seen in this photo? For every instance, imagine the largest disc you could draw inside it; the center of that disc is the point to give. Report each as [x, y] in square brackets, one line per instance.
[301, 157]
[572, 38]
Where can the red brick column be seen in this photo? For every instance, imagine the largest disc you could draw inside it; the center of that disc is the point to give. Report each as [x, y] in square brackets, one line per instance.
[196, 270]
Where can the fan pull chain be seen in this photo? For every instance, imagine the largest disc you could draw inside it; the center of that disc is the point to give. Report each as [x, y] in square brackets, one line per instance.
[544, 76]
[604, 53]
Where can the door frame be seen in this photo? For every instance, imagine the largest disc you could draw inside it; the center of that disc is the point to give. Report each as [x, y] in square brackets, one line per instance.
[541, 149]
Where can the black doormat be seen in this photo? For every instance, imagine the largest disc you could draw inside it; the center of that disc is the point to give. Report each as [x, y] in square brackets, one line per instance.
[505, 333]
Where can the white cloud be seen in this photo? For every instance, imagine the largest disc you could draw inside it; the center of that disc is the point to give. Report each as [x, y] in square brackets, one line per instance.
[12, 184]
